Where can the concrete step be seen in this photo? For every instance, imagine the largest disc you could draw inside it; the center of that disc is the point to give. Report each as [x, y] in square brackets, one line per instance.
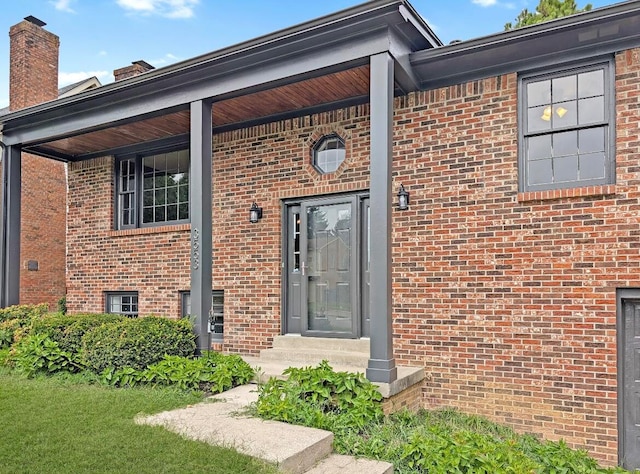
[265, 369]
[350, 465]
[294, 449]
[315, 356]
[321, 343]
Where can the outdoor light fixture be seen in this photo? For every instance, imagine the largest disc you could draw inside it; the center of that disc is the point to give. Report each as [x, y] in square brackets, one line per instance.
[255, 213]
[403, 199]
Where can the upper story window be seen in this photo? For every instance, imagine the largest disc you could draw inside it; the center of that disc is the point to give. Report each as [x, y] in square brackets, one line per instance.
[328, 153]
[152, 189]
[566, 131]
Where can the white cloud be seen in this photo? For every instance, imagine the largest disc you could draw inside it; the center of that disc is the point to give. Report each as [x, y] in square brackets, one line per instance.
[63, 5]
[66, 78]
[485, 3]
[166, 59]
[166, 8]
[494, 3]
[102, 53]
[432, 25]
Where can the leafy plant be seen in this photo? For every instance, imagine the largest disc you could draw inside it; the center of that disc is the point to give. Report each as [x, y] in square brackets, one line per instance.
[62, 305]
[37, 353]
[321, 398]
[8, 330]
[136, 343]
[213, 372]
[448, 441]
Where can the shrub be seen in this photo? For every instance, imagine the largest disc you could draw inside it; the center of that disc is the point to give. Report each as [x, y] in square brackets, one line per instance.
[62, 305]
[15, 321]
[321, 398]
[213, 372]
[67, 330]
[37, 353]
[25, 312]
[8, 330]
[136, 343]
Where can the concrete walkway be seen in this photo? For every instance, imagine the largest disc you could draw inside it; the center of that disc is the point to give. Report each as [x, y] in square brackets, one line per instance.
[294, 449]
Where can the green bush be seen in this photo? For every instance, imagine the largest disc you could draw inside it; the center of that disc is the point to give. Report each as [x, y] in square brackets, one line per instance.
[321, 398]
[8, 330]
[213, 372]
[448, 441]
[15, 321]
[136, 343]
[68, 330]
[37, 353]
[25, 312]
[62, 305]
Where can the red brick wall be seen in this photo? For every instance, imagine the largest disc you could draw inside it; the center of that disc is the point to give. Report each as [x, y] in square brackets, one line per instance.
[506, 298]
[43, 214]
[265, 164]
[33, 80]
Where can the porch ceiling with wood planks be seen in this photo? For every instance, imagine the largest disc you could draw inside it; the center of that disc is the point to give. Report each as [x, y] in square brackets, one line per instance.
[342, 87]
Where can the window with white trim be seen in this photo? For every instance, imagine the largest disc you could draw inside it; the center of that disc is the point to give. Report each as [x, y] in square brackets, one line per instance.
[152, 189]
[121, 302]
[216, 317]
[566, 129]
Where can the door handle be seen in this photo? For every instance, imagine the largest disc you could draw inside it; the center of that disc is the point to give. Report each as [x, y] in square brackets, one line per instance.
[304, 268]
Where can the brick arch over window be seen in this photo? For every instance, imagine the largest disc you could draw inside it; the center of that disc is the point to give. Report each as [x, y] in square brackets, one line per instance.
[315, 139]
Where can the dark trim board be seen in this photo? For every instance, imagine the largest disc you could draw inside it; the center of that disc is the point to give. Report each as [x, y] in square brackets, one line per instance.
[622, 295]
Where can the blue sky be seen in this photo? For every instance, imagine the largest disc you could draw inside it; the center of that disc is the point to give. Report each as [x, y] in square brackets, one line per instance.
[98, 36]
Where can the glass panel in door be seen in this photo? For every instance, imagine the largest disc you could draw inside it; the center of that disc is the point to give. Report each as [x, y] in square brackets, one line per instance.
[328, 267]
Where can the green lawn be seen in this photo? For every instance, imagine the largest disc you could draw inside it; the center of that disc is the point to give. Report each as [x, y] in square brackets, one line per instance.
[50, 425]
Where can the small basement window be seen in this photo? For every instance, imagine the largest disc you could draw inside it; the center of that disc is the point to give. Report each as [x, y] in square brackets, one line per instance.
[216, 318]
[125, 303]
[329, 153]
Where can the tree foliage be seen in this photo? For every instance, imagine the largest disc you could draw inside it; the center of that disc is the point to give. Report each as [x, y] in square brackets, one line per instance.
[545, 11]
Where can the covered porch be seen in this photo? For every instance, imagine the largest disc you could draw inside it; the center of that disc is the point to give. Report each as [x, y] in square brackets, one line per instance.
[354, 57]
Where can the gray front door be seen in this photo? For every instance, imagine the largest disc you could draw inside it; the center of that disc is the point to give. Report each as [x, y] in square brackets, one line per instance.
[630, 413]
[327, 267]
[328, 254]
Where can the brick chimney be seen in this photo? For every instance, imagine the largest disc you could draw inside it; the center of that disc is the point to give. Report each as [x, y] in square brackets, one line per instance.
[136, 68]
[33, 76]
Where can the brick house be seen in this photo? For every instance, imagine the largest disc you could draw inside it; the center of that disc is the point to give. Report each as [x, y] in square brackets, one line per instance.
[33, 75]
[271, 172]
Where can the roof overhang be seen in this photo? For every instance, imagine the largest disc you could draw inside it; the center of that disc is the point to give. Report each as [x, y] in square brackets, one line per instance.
[598, 32]
[333, 48]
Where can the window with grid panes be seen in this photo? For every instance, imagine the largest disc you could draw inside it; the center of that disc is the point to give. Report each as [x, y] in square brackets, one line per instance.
[566, 128]
[216, 318]
[125, 303]
[152, 189]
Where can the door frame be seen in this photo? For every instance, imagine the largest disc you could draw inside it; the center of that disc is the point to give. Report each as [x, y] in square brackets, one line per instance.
[622, 295]
[359, 197]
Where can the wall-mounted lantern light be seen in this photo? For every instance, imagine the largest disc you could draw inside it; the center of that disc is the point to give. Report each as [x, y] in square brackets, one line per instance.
[255, 213]
[403, 199]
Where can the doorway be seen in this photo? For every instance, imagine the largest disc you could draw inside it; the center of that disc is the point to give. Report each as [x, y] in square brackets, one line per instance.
[629, 378]
[327, 267]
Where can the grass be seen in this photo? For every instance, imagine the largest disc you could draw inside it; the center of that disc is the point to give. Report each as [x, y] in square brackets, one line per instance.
[56, 425]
